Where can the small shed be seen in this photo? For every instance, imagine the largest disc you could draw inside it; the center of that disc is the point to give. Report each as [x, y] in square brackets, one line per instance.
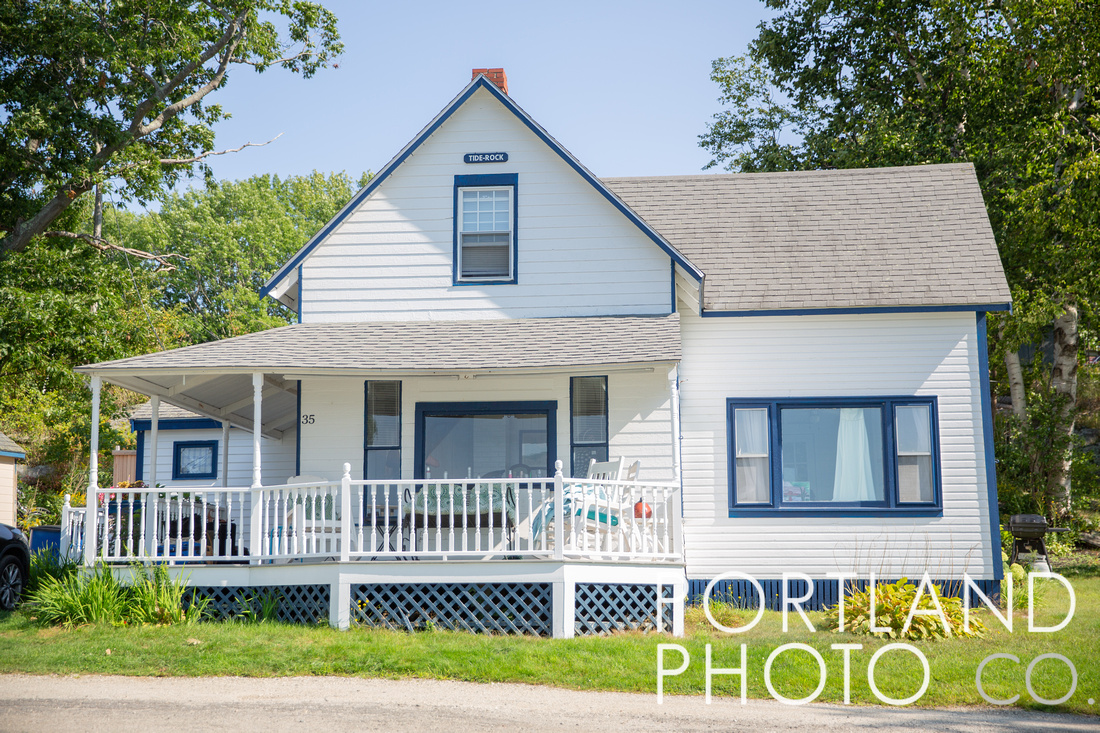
[10, 452]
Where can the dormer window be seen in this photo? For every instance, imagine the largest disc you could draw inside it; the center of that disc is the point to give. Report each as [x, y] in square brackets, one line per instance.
[485, 229]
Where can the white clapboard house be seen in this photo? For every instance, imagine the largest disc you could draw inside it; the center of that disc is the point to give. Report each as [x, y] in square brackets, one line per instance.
[776, 373]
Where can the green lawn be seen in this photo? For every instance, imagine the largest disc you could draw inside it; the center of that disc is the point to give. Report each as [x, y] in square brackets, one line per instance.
[624, 662]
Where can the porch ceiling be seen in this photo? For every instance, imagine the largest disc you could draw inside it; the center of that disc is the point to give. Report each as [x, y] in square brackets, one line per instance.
[214, 379]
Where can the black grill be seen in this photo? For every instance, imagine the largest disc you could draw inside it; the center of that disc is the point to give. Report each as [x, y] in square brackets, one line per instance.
[1028, 533]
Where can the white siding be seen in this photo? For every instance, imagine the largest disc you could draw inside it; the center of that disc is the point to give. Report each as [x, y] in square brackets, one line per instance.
[638, 416]
[276, 457]
[392, 258]
[813, 356]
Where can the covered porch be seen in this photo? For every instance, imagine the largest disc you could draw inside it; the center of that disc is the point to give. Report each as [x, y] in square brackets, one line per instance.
[419, 504]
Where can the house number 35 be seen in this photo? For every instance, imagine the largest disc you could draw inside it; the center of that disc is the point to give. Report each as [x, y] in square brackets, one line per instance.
[307, 419]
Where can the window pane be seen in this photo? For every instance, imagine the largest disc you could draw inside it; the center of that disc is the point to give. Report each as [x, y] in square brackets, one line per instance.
[383, 415]
[832, 454]
[197, 459]
[485, 260]
[584, 454]
[914, 430]
[589, 410]
[751, 431]
[914, 479]
[385, 463]
[754, 483]
[486, 446]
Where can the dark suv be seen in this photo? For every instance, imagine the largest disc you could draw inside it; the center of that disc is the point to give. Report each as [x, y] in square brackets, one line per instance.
[15, 566]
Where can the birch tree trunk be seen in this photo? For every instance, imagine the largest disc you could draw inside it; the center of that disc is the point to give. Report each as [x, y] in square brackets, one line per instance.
[1063, 379]
[1016, 385]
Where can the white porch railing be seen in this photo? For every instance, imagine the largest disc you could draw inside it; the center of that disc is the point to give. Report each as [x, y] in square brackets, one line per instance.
[349, 520]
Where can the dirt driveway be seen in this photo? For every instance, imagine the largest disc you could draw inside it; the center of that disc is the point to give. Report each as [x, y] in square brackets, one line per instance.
[96, 703]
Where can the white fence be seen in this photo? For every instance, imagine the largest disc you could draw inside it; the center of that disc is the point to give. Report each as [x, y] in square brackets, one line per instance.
[346, 520]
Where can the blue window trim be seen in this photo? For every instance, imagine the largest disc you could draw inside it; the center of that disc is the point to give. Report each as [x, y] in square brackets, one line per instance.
[300, 309]
[179, 445]
[481, 82]
[298, 429]
[573, 444]
[549, 408]
[366, 405]
[139, 470]
[493, 180]
[888, 508]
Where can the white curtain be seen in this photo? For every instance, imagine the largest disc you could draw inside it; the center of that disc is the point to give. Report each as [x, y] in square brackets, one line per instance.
[853, 480]
[751, 435]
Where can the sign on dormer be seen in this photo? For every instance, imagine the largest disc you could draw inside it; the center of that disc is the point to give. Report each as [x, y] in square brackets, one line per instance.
[485, 158]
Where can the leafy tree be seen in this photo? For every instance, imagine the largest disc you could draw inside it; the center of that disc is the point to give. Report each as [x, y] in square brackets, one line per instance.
[99, 90]
[235, 234]
[1010, 85]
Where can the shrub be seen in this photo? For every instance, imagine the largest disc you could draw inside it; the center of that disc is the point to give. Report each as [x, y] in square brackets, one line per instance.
[82, 598]
[74, 598]
[893, 602]
[157, 599]
[48, 563]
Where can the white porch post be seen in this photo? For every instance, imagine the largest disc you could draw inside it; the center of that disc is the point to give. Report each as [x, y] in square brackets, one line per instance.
[674, 405]
[559, 512]
[91, 511]
[345, 516]
[154, 439]
[225, 453]
[257, 503]
[677, 505]
[257, 411]
[152, 498]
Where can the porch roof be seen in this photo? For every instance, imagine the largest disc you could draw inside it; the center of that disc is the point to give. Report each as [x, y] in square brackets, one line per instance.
[214, 379]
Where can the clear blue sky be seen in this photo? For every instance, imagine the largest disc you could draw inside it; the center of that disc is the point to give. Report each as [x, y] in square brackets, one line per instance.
[624, 86]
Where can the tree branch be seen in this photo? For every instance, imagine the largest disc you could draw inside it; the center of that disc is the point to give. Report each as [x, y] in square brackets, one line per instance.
[163, 264]
[197, 158]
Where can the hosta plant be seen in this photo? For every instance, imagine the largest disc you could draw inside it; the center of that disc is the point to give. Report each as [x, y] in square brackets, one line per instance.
[893, 603]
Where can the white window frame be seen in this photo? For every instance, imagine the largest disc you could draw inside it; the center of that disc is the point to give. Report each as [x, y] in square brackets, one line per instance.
[460, 213]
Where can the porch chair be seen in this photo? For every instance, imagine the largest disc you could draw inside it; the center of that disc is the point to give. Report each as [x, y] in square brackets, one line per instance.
[598, 513]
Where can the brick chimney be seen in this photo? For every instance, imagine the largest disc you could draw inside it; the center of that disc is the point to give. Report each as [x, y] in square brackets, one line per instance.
[497, 76]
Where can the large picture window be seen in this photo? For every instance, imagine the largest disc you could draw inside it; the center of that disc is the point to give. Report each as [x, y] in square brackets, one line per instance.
[485, 228]
[833, 455]
[456, 440]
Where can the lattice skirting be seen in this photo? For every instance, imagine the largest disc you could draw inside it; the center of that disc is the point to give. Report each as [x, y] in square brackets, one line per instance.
[295, 604]
[602, 608]
[504, 608]
[826, 591]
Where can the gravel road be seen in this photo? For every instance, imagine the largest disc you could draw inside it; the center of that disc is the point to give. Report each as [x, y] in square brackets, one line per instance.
[101, 703]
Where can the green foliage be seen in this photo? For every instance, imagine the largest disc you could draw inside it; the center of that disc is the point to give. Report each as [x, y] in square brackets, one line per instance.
[97, 597]
[235, 235]
[157, 599]
[92, 91]
[893, 602]
[1030, 455]
[81, 598]
[48, 563]
[261, 608]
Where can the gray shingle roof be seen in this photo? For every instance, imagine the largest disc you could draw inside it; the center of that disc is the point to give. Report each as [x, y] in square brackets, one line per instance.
[425, 345]
[912, 236]
[144, 411]
[8, 445]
